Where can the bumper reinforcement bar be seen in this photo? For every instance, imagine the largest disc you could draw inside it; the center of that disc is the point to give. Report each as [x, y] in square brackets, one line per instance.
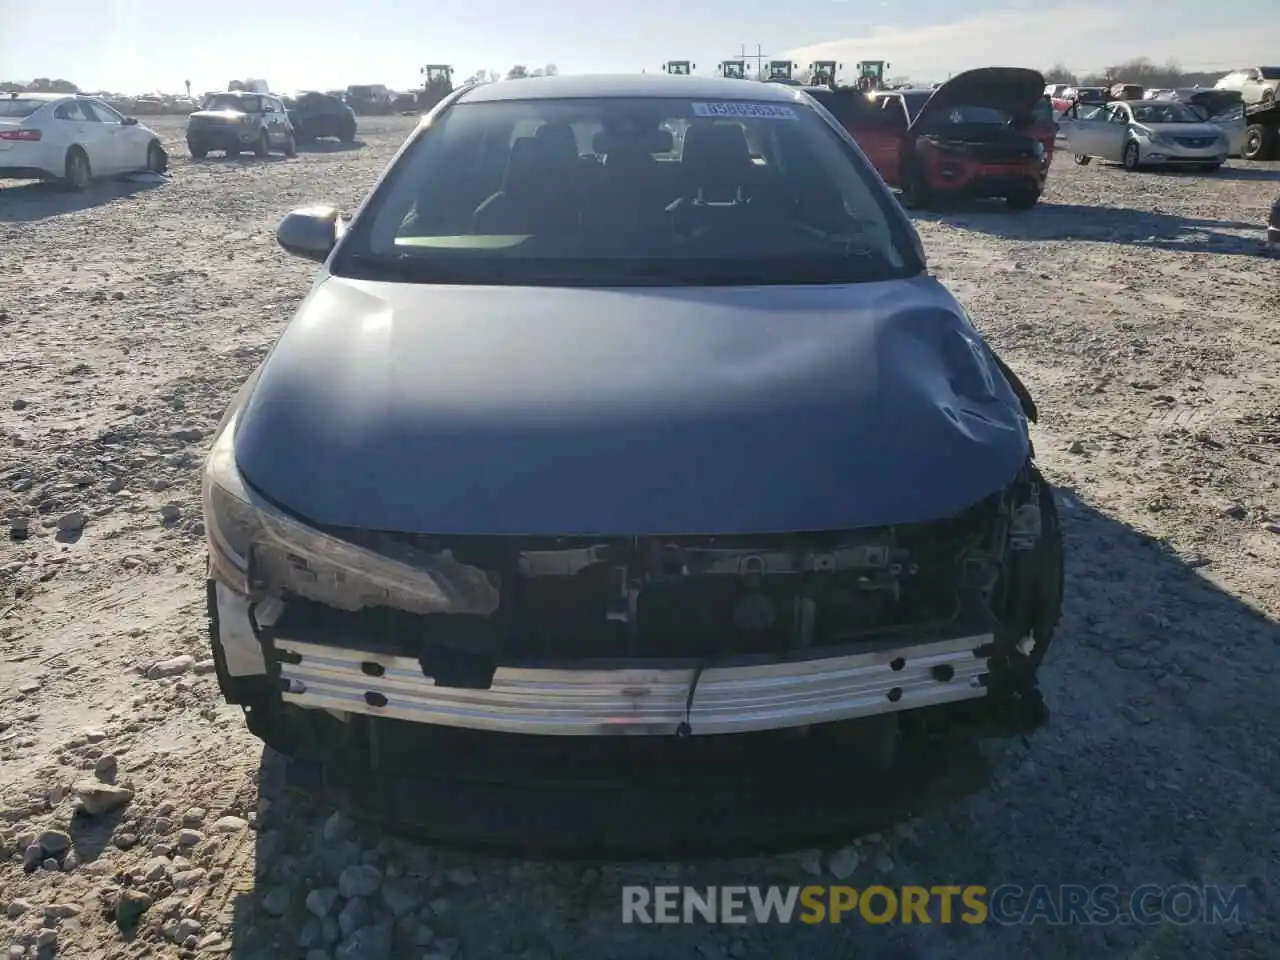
[592, 699]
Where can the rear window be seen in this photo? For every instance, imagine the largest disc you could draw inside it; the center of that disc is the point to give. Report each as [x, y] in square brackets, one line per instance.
[630, 191]
[18, 107]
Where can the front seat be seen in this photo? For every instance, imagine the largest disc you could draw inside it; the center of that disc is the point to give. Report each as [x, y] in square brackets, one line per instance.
[716, 161]
[536, 189]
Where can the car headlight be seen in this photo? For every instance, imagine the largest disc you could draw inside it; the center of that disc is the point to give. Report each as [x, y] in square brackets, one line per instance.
[1159, 139]
[256, 549]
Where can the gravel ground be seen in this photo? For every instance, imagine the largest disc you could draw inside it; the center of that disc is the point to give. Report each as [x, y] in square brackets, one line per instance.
[1135, 306]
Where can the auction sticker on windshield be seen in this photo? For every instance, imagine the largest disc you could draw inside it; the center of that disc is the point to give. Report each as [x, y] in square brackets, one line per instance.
[739, 109]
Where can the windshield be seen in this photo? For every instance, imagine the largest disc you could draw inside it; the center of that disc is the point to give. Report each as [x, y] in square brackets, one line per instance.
[1166, 111]
[1270, 73]
[233, 101]
[915, 101]
[612, 192]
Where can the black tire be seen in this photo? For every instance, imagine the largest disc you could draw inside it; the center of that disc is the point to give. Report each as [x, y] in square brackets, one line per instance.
[291, 147]
[915, 193]
[1023, 199]
[1082, 159]
[1259, 142]
[197, 152]
[78, 172]
[348, 136]
[157, 159]
[1132, 156]
[261, 146]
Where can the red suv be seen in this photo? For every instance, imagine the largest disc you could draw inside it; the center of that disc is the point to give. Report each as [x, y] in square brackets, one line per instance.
[984, 133]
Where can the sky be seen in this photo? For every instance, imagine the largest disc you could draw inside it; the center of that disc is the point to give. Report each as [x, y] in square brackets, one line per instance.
[138, 46]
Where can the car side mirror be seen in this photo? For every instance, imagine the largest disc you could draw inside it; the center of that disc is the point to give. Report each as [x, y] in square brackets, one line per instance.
[130, 121]
[309, 232]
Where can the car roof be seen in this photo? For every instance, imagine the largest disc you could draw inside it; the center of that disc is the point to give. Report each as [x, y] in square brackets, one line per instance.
[631, 85]
[46, 97]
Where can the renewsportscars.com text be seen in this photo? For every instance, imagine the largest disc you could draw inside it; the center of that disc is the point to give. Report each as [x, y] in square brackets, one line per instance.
[1007, 905]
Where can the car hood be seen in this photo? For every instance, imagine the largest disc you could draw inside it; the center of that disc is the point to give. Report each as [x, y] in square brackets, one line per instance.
[1183, 129]
[224, 116]
[555, 411]
[1012, 89]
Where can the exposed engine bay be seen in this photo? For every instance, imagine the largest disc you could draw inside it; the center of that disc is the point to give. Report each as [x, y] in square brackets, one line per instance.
[984, 142]
[689, 597]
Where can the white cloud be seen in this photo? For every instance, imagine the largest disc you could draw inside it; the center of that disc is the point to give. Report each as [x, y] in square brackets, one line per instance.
[1083, 36]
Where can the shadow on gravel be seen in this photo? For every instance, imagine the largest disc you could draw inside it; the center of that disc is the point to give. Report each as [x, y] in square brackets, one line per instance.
[243, 159]
[1158, 767]
[330, 146]
[1264, 171]
[91, 835]
[1142, 228]
[30, 202]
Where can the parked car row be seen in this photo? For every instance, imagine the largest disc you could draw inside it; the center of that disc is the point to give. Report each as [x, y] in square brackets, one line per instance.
[73, 138]
[237, 122]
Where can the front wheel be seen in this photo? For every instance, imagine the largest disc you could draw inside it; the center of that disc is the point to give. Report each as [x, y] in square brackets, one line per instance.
[197, 152]
[1132, 156]
[78, 171]
[1023, 199]
[915, 194]
[157, 159]
[1082, 159]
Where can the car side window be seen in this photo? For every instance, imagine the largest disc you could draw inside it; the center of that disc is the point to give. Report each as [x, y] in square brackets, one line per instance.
[100, 112]
[71, 111]
[1118, 115]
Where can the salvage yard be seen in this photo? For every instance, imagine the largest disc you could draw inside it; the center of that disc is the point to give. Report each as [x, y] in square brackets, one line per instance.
[1136, 307]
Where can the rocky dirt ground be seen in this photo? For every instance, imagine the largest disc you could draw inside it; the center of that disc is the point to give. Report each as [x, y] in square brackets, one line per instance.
[1135, 306]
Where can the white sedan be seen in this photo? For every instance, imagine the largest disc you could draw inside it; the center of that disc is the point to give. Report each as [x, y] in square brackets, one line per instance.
[72, 138]
[1145, 133]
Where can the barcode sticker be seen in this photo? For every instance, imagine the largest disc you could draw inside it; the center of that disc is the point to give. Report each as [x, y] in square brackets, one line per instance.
[741, 110]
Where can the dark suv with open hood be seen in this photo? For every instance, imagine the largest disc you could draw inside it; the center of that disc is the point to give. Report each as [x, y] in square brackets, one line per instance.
[238, 122]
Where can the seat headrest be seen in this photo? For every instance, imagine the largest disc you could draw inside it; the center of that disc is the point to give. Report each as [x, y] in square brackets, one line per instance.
[533, 163]
[711, 147]
[558, 139]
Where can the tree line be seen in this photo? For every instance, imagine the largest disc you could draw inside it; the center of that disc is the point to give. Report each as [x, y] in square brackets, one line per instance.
[39, 85]
[518, 72]
[1139, 70]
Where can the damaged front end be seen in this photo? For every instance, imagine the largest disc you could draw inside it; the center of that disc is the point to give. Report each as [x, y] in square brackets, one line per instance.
[394, 652]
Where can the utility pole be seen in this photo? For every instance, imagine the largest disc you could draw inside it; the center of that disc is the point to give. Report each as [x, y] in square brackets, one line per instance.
[759, 57]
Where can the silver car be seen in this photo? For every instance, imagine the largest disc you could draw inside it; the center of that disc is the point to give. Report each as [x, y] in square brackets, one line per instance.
[1140, 133]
